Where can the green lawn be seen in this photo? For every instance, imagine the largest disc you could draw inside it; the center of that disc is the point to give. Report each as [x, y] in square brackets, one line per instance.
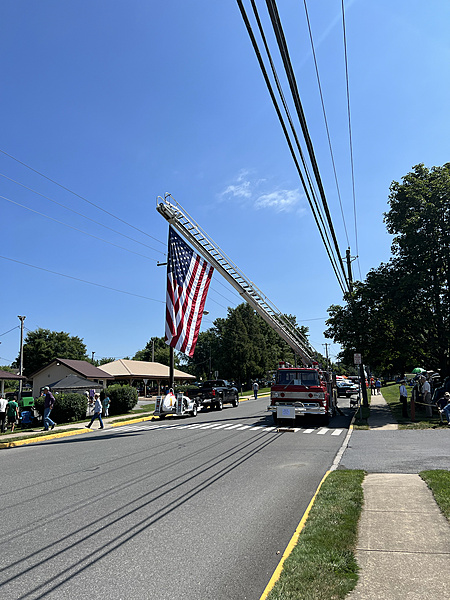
[322, 565]
[439, 483]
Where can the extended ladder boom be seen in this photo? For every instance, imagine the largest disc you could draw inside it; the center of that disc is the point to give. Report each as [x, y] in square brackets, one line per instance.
[211, 252]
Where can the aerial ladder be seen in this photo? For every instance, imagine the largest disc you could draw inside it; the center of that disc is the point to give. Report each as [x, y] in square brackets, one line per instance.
[174, 213]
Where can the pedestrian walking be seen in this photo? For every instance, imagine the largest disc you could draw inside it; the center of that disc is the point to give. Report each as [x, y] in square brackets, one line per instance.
[12, 412]
[49, 403]
[255, 389]
[97, 412]
[3, 405]
[106, 403]
[404, 398]
[446, 407]
[426, 396]
[378, 386]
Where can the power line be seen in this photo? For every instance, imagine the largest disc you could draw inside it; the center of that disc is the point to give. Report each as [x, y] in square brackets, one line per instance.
[75, 228]
[286, 134]
[79, 196]
[282, 45]
[350, 133]
[82, 215]
[326, 120]
[81, 280]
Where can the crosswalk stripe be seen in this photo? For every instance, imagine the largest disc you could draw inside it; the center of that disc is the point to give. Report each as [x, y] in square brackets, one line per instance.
[225, 426]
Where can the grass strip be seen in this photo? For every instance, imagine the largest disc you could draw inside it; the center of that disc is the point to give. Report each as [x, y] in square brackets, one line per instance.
[439, 483]
[322, 566]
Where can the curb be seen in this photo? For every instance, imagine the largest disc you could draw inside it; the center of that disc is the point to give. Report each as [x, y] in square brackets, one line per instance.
[292, 543]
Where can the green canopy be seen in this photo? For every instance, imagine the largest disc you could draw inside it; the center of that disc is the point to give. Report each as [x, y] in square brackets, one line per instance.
[418, 370]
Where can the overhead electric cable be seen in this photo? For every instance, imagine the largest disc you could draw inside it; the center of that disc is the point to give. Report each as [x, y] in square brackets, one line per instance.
[350, 133]
[280, 118]
[9, 330]
[81, 197]
[82, 215]
[294, 133]
[326, 120]
[82, 280]
[279, 34]
[75, 228]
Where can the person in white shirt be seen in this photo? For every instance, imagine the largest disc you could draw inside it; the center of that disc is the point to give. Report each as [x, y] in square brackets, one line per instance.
[426, 395]
[3, 403]
[255, 389]
[97, 412]
[404, 398]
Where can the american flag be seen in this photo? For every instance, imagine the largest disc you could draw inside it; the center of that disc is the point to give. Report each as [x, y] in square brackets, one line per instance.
[188, 279]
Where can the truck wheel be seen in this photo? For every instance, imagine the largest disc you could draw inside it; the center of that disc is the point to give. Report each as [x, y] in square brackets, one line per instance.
[162, 416]
[275, 418]
[219, 405]
[235, 400]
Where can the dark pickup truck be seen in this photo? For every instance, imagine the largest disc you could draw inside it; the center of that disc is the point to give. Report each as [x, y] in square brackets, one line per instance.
[214, 393]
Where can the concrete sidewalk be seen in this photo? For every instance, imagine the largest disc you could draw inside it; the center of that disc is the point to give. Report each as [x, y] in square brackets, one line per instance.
[403, 547]
[380, 414]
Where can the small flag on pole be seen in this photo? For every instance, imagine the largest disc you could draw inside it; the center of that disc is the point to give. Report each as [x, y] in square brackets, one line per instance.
[188, 279]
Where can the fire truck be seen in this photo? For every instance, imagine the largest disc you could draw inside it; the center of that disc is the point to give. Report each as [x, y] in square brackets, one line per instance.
[302, 391]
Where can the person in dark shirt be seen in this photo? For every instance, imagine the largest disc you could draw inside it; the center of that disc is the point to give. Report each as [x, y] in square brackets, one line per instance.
[49, 403]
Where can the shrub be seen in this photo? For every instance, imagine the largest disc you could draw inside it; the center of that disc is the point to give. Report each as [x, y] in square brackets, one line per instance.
[68, 407]
[123, 398]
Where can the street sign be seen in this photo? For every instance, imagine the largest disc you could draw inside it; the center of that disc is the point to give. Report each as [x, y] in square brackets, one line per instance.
[357, 359]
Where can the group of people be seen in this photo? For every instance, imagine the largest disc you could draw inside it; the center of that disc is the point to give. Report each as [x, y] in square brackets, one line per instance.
[423, 395]
[9, 413]
[375, 386]
[10, 416]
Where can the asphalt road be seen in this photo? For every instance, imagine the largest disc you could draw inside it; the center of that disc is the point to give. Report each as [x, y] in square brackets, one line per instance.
[403, 451]
[161, 510]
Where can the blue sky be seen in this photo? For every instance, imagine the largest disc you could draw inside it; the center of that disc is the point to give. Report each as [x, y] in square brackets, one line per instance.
[121, 102]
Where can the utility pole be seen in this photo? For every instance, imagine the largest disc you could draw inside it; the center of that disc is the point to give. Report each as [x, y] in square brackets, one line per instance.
[349, 270]
[326, 354]
[22, 319]
[153, 350]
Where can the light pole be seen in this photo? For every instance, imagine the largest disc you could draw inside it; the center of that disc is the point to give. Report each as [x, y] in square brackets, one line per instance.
[22, 319]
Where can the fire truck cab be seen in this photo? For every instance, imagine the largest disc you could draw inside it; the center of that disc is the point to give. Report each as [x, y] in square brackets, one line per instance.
[308, 390]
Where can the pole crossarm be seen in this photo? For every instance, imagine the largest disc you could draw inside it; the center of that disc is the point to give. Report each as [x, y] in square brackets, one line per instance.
[185, 224]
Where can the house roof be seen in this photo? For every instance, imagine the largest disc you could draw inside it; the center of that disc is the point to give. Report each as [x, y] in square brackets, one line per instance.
[140, 369]
[74, 382]
[8, 375]
[81, 367]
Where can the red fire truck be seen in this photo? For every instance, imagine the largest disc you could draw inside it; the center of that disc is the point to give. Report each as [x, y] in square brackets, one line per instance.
[301, 391]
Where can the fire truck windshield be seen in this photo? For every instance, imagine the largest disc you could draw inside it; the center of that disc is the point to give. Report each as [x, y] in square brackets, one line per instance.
[306, 378]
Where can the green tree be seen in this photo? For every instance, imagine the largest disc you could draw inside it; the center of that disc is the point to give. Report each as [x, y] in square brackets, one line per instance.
[399, 317]
[42, 346]
[161, 352]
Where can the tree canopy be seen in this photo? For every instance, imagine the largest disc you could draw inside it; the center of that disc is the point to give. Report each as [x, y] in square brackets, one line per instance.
[398, 318]
[42, 346]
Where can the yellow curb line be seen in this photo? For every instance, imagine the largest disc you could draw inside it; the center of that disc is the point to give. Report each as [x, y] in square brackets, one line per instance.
[292, 543]
[41, 438]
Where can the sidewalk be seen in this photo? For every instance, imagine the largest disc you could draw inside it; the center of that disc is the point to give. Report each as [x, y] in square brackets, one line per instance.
[403, 548]
[403, 545]
[380, 414]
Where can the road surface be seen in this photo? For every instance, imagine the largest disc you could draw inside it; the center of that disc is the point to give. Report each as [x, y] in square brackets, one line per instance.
[182, 508]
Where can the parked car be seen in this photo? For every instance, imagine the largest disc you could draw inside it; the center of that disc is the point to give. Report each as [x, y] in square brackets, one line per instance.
[346, 388]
